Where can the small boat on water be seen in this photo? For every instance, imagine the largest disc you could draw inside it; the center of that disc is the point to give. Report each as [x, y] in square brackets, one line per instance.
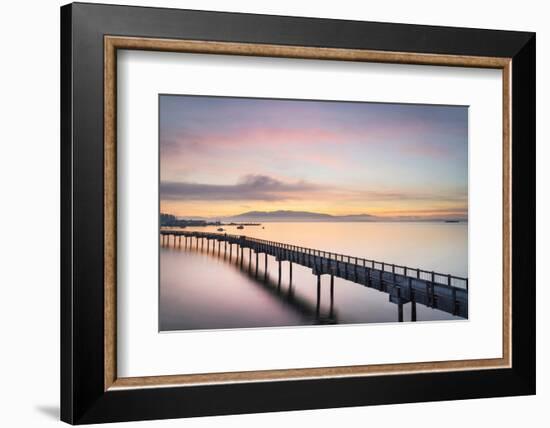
[240, 226]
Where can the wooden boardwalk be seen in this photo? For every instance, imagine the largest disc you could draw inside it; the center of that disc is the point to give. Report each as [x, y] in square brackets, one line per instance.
[403, 284]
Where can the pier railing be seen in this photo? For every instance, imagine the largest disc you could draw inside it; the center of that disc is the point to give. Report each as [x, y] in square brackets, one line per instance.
[422, 274]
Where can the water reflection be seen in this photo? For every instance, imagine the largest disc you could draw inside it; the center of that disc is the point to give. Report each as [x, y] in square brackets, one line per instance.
[307, 310]
[207, 284]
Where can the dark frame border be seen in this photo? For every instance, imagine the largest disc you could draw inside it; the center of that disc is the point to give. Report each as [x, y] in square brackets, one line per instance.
[114, 43]
[83, 398]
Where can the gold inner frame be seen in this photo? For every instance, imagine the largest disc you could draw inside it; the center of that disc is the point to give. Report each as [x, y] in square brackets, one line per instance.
[113, 43]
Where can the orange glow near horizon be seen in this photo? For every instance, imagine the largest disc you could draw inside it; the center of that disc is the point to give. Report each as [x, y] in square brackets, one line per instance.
[184, 209]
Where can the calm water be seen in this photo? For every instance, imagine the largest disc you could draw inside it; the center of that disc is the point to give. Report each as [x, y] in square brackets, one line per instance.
[204, 291]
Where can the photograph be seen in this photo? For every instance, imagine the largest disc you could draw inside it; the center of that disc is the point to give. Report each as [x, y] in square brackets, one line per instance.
[292, 212]
[277, 214]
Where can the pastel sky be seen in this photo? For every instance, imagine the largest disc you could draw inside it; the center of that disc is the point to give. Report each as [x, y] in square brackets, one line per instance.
[222, 156]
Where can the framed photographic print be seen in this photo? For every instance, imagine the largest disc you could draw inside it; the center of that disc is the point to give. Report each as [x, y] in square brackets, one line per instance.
[264, 213]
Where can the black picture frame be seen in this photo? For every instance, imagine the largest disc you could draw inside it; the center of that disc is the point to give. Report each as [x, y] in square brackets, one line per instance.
[83, 397]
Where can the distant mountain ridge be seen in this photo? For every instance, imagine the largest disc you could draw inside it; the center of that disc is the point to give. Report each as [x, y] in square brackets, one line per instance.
[303, 216]
[307, 216]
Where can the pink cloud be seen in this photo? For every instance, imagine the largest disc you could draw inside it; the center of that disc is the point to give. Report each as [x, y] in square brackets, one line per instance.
[275, 135]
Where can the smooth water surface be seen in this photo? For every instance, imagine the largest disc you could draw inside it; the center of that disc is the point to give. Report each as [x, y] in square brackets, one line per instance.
[204, 290]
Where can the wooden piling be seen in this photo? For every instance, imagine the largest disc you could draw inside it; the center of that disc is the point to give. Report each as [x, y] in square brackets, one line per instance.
[455, 302]
[331, 314]
[290, 273]
[318, 308]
